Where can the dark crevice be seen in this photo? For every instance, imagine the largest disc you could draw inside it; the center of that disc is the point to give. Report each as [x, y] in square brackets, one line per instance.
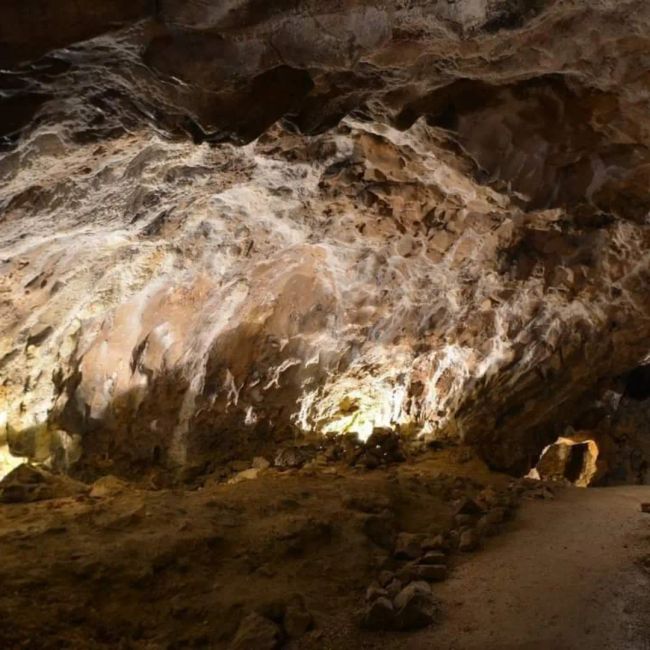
[637, 384]
[576, 461]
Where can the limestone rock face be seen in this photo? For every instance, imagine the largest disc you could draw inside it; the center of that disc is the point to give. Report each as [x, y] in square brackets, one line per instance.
[223, 223]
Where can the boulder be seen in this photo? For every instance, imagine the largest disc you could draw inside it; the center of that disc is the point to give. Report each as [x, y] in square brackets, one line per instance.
[256, 632]
[569, 459]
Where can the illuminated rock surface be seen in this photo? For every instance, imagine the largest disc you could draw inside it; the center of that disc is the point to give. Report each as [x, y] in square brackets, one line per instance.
[446, 230]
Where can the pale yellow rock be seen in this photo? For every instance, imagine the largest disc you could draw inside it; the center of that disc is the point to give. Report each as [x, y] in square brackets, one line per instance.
[107, 486]
[246, 475]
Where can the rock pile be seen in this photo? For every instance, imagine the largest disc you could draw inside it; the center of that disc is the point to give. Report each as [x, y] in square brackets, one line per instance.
[402, 597]
[276, 624]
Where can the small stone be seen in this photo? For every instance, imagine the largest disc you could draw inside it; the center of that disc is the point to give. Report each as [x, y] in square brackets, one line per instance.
[379, 615]
[394, 587]
[259, 462]
[415, 607]
[435, 543]
[468, 540]
[426, 572]
[454, 538]
[645, 507]
[385, 578]
[375, 591]
[246, 475]
[297, 619]
[415, 587]
[257, 633]
[407, 547]
[432, 572]
[433, 557]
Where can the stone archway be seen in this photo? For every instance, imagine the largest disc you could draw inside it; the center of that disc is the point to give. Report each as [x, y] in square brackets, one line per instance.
[574, 459]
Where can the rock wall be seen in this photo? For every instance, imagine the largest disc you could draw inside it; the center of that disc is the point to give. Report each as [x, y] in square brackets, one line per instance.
[230, 223]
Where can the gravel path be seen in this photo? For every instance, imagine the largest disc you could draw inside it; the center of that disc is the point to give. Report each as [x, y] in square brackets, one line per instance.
[569, 577]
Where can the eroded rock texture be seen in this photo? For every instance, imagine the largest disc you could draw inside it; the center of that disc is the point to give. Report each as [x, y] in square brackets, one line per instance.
[224, 223]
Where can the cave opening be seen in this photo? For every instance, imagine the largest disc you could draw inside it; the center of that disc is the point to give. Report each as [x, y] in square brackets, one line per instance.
[576, 462]
[573, 460]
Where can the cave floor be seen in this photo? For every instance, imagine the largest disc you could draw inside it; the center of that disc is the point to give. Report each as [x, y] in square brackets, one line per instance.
[574, 573]
[127, 567]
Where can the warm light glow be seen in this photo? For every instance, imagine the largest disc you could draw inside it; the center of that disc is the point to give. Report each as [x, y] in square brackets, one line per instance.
[360, 400]
[559, 460]
[8, 461]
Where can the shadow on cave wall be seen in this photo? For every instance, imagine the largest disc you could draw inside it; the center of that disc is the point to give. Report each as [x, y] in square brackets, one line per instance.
[548, 139]
[136, 433]
[142, 429]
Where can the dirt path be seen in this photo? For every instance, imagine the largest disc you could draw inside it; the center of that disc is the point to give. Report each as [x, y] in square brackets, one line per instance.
[566, 578]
